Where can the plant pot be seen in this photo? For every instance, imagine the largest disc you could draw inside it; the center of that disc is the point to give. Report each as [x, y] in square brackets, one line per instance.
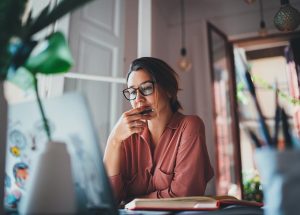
[280, 177]
[50, 189]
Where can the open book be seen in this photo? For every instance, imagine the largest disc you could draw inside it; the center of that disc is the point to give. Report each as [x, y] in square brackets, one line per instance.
[188, 203]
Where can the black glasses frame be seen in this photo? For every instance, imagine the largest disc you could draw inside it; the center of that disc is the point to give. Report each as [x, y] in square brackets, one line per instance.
[139, 89]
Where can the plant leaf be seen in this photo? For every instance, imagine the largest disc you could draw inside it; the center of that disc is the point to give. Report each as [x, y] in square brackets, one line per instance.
[44, 13]
[50, 56]
[44, 19]
[11, 12]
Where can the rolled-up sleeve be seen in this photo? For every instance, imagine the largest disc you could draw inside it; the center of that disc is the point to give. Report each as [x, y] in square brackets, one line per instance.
[117, 185]
[118, 182]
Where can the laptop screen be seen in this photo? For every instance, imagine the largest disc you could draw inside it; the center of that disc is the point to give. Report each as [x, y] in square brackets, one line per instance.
[70, 122]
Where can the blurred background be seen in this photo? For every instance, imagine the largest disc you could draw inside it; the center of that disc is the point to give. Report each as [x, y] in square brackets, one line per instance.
[210, 43]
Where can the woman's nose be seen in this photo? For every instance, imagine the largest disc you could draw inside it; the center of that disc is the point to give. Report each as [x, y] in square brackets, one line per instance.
[139, 97]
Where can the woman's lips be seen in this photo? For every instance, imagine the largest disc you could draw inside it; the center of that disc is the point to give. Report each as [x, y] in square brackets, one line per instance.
[147, 110]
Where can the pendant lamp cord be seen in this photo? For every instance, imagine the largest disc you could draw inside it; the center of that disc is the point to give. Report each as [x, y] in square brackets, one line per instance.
[261, 10]
[182, 24]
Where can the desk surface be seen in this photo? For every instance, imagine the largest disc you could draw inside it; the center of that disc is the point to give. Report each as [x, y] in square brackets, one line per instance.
[230, 210]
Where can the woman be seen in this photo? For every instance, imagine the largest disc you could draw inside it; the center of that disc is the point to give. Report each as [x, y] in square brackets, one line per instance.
[154, 151]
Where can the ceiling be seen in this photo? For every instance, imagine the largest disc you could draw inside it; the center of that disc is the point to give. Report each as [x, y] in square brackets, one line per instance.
[224, 12]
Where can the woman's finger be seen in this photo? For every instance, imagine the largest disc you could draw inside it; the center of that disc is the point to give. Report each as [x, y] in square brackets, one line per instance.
[134, 111]
[136, 129]
[137, 123]
[135, 117]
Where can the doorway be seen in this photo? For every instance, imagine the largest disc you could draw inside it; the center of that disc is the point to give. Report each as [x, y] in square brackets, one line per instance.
[234, 111]
[274, 80]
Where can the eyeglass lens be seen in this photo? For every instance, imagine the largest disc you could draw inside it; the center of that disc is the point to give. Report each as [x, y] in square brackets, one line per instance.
[145, 89]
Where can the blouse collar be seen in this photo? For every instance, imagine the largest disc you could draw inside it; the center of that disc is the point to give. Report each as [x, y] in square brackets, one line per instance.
[173, 124]
[175, 120]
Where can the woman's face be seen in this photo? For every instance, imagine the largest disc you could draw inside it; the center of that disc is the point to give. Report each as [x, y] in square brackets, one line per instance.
[137, 79]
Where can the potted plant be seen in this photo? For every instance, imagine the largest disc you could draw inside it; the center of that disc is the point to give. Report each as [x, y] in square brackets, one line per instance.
[21, 54]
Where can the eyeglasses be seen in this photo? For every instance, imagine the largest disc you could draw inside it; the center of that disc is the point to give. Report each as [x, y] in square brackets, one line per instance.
[146, 89]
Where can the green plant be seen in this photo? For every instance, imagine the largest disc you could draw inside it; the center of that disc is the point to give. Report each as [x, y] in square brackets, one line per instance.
[17, 44]
[252, 188]
[264, 84]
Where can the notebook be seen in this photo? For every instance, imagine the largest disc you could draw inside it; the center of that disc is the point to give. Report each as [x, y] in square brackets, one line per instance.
[70, 122]
[197, 203]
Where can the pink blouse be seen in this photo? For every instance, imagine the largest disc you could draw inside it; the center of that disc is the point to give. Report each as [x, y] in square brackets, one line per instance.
[178, 166]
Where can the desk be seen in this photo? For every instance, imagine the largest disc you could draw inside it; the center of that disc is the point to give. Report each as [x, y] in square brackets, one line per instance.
[230, 210]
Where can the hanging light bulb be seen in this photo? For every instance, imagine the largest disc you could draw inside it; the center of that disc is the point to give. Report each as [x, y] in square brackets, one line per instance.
[263, 30]
[262, 25]
[183, 63]
[287, 18]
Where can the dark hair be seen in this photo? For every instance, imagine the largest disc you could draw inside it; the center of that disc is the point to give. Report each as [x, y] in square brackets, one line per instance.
[162, 74]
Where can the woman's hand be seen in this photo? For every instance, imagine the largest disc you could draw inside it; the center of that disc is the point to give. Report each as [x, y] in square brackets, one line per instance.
[130, 122]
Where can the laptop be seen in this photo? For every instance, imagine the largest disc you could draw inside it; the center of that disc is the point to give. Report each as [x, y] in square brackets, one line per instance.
[70, 122]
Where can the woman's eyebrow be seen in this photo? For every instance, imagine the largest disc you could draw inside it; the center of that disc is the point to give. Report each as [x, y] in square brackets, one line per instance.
[130, 86]
[139, 84]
